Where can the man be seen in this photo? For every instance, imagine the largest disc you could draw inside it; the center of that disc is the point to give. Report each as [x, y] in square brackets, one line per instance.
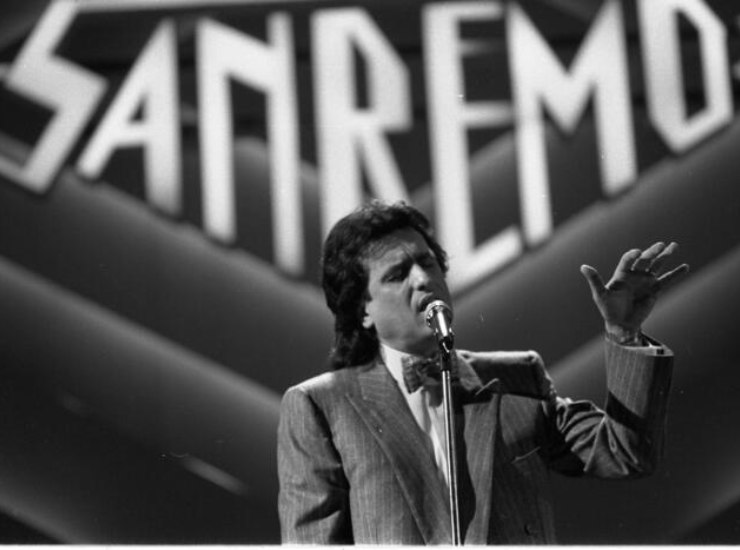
[361, 450]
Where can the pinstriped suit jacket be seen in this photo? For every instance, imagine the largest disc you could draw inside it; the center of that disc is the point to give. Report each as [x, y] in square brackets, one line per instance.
[354, 466]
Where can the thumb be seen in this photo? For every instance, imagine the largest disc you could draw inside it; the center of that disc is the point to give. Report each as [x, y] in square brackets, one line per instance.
[593, 279]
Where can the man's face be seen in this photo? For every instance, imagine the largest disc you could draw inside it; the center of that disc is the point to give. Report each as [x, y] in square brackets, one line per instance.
[403, 278]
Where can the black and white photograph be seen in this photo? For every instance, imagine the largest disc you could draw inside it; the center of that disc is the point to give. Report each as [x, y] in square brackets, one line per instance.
[369, 272]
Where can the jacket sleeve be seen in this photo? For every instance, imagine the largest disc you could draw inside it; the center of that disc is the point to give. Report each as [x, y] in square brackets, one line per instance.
[313, 503]
[625, 438]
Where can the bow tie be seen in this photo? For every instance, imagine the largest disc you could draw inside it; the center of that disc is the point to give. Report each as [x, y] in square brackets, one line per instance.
[424, 371]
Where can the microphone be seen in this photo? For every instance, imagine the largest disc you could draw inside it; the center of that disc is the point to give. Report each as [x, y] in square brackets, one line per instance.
[438, 316]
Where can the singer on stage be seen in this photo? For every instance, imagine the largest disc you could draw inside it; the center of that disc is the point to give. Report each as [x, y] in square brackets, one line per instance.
[362, 449]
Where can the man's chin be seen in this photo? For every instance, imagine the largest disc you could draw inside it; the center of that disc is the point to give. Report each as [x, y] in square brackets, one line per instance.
[427, 345]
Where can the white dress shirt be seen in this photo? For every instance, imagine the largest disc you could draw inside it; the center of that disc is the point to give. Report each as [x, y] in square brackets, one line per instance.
[426, 405]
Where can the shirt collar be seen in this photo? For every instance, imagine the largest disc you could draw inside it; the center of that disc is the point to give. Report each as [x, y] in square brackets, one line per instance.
[393, 360]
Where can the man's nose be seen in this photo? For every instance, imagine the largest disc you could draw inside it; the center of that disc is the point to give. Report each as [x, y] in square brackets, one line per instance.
[419, 276]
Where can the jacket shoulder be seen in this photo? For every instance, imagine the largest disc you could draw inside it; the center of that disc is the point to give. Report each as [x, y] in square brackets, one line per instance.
[518, 372]
[495, 364]
[327, 384]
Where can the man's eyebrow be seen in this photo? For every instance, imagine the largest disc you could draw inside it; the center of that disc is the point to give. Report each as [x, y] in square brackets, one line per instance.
[424, 255]
[402, 262]
[397, 263]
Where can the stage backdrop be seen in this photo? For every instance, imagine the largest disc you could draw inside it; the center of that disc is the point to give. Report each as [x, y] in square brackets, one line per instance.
[169, 168]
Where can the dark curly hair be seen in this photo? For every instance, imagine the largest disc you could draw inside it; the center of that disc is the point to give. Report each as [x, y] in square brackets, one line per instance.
[345, 277]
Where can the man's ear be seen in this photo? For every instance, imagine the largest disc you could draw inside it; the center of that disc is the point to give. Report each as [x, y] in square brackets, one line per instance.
[367, 320]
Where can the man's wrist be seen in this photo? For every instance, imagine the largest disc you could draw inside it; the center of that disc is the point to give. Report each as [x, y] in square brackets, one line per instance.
[625, 336]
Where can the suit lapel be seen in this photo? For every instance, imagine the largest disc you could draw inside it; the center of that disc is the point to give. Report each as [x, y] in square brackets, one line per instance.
[480, 415]
[380, 403]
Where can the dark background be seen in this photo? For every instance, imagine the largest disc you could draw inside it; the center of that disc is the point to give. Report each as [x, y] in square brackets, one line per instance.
[141, 363]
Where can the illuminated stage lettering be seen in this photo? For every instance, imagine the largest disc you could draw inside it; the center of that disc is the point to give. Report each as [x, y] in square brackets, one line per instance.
[353, 146]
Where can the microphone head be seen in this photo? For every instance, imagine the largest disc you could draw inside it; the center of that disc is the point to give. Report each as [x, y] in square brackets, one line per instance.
[434, 308]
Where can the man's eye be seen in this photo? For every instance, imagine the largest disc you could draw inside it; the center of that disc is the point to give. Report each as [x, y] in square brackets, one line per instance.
[394, 276]
[429, 262]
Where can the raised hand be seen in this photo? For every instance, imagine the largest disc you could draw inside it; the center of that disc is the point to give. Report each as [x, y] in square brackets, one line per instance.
[629, 296]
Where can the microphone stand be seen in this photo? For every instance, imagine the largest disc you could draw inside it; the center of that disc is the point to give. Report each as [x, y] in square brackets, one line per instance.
[446, 348]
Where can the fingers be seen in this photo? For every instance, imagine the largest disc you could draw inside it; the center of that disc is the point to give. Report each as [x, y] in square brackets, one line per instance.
[650, 262]
[628, 259]
[594, 280]
[647, 258]
[669, 279]
[660, 259]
